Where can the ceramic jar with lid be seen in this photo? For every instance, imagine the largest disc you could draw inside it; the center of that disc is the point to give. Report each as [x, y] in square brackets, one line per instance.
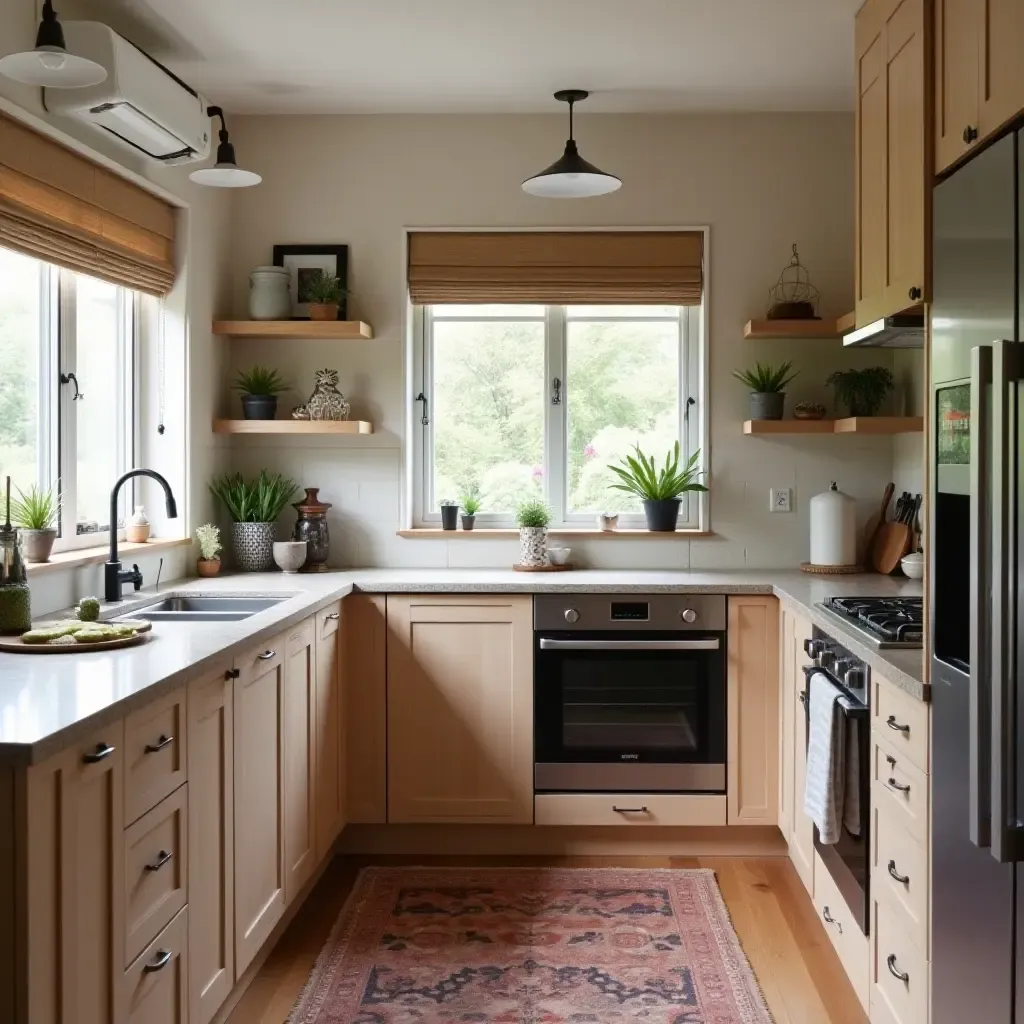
[311, 527]
[269, 298]
[833, 528]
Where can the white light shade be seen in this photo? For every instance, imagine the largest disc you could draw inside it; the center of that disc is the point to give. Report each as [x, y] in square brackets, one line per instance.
[52, 67]
[225, 176]
[569, 185]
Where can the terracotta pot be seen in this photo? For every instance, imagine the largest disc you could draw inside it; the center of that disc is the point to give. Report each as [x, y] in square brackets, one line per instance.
[323, 311]
[208, 566]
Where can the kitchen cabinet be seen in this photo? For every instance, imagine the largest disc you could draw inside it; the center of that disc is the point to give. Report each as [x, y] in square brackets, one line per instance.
[893, 159]
[155, 753]
[329, 748]
[154, 989]
[211, 932]
[753, 710]
[366, 708]
[460, 708]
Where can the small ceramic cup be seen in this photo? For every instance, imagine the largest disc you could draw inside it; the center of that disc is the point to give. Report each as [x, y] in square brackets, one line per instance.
[913, 565]
[290, 555]
[608, 521]
[558, 556]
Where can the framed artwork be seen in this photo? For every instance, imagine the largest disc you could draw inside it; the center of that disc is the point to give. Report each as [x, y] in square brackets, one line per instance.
[303, 262]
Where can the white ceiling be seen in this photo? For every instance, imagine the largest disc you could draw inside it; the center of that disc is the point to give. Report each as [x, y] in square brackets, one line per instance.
[463, 56]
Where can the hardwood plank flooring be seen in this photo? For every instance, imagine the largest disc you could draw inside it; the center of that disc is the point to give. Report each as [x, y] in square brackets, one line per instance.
[798, 971]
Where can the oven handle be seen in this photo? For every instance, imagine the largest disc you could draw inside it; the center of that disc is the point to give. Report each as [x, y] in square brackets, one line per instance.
[630, 645]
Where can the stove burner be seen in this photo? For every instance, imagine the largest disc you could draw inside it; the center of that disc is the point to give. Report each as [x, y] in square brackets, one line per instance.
[893, 620]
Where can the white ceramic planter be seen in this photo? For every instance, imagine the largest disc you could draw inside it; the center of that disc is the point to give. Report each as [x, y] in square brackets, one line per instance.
[533, 546]
[269, 297]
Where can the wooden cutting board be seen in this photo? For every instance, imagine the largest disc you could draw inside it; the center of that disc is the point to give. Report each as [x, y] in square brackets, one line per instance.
[891, 543]
[876, 521]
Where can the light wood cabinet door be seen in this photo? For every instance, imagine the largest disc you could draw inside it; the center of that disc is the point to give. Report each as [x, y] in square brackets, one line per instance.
[366, 708]
[299, 741]
[154, 989]
[74, 864]
[753, 710]
[258, 698]
[787, 701]
[1001, 52]
[211, 828]
[460, 708]
[330, 730]
[957, 78]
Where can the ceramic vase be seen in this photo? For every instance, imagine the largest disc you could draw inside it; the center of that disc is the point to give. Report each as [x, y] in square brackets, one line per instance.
[268, 293]
[311, 526]
[533, 546]
[138, 528]
[208, 566]
[37, 544]
[254, 546]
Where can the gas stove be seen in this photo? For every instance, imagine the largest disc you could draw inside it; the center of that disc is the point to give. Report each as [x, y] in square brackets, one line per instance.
[884, 622]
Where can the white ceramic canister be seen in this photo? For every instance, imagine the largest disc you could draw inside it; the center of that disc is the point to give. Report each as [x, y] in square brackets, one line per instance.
[833, 528]
[268, 293]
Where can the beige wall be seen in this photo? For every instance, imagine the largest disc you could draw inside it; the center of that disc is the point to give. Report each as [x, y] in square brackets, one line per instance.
[760, 181]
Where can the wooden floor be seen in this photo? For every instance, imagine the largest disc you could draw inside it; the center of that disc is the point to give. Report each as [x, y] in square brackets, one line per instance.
[796, 966]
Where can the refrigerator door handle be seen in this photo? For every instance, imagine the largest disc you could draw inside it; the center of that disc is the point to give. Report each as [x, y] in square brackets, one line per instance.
[980, 798]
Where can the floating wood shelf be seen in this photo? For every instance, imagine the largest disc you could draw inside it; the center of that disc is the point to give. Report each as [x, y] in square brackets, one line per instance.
[320, 330]
[292, 427]
[828, 328]
[849, 425]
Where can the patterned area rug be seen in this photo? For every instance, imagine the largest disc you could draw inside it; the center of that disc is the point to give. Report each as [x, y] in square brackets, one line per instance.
[532, 946]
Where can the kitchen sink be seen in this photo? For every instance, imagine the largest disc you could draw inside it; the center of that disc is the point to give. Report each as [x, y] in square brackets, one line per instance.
[187, 608]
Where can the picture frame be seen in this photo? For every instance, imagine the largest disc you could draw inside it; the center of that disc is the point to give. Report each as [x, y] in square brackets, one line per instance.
[302, 260]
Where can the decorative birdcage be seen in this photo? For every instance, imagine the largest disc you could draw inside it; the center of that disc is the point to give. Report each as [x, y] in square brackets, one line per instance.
[793, 297]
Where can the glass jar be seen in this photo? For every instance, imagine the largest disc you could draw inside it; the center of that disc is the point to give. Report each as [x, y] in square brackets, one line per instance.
[15, 597]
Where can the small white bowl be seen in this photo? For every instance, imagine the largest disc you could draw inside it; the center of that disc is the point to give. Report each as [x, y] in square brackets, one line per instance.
[558, 556]
[290, 555]
[913, 565]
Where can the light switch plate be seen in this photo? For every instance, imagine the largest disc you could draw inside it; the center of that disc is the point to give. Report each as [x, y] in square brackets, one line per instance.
[781, 499]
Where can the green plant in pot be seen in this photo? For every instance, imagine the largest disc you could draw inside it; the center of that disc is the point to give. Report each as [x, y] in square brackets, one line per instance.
[470, 503]
[533, 517]
[767, 386]
[35, 512]
[259, 387]
[861, 391]
[660, 490]
[324, 293]
[254, 506]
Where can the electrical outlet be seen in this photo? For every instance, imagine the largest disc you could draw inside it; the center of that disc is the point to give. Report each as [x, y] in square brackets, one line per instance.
[781, 499]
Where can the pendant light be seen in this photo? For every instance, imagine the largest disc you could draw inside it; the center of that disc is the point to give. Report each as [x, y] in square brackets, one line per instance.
[49, 64]
[571, 177]
[225, 173]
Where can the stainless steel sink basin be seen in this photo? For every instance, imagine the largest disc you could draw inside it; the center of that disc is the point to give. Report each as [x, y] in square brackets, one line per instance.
[185, 608]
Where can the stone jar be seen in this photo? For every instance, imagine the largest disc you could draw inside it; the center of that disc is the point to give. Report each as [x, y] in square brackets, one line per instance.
[311, 527]
[269, 298]
[533, 546]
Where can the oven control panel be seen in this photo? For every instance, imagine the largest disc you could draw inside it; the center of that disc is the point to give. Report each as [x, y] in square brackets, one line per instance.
[706, 612]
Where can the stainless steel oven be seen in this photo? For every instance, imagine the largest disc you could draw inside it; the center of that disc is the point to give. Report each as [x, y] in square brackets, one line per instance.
[629, 693]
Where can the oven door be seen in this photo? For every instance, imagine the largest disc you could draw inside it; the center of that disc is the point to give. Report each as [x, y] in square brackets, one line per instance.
[630, 712]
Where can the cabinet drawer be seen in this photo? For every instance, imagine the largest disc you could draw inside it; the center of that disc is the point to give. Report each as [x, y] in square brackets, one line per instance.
[850, 943]
[900, 787]
[897, 855]
[155, 871]
[628, 809]
[902, 999]
[901, 720]
[154, 740]
[155, 987]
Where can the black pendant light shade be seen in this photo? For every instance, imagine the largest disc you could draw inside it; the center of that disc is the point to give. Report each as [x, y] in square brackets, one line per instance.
[225, 173]
[49, 64]
[571, 177]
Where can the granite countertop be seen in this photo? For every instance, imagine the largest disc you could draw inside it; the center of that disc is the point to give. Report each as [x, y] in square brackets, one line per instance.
[49, 701]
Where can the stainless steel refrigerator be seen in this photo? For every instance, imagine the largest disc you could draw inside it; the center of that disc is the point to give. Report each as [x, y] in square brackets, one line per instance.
[977, 591]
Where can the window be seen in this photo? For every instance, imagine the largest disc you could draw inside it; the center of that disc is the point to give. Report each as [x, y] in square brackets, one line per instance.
[528, 401]
[67, 365]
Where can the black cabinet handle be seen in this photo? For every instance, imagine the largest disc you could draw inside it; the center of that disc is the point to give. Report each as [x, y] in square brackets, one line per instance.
[891, 760]
[161, 859]
[159, 962]
[896, 727]
[103, 750]
[900, 787]
[893, 873]
[826, 913]
[266, 655]
[915, 292]
[630, 810]
[164, 741]
[890, 962]
[802, 697]
[970, 134]
[232, 673]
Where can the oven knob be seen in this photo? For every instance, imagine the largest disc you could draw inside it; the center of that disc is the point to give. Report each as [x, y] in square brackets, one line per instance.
[842, 666]
[688, 615]
[571, 615]
[854, 678]
[813, 648]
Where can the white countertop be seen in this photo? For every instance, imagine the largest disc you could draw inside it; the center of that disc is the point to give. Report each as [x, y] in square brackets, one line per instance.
[50, 700]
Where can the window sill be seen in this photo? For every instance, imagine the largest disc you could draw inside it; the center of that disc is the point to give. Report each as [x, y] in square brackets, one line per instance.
[431, 533]
[94, 556]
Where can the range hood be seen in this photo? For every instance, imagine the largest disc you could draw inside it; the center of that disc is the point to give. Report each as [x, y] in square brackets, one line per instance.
[906, 330]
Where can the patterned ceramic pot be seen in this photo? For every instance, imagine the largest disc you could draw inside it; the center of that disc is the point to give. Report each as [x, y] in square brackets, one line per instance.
[533, 545]
[254, 546]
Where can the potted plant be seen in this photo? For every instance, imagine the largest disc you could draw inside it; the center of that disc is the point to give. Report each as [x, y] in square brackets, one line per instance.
[324, 292]
[470, 507]
[861, 391]
[35, 512]
[533, 517]
[259, 387]
[254, 507]
[208, 537]
[659, 489]
[449, 515]
[767, 386]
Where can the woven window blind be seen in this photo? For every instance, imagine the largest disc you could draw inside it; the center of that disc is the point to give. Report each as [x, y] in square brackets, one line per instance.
[556, 267]
[60, 207]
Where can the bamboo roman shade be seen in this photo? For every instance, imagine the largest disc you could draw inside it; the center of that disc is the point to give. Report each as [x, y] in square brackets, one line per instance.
[60, 207]
[556, 267]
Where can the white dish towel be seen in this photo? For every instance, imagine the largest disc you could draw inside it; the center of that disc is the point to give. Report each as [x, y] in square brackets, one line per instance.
[825, 785]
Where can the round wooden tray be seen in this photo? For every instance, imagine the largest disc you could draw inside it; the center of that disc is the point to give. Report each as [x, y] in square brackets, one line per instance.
[14, 645]
[830, 570]
[567, 567]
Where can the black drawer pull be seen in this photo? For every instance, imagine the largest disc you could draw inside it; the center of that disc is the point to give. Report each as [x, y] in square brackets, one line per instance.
[826, 913]
[896, 727]
[900, 787]
[890, 962]
[890, 760]
[266, 655]
[893, 873]
[915, 292]
[630, 810]
[159, 962]
[970, 134]
[103, 750]
[164, 741]
[802, 697]
[161, 859]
